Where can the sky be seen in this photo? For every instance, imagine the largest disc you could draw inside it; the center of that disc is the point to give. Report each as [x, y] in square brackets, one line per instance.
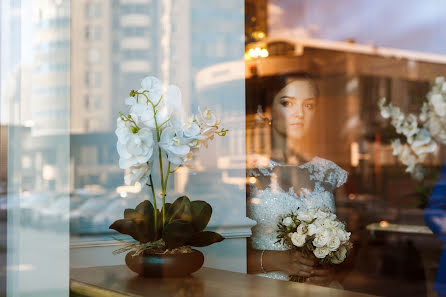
[404, 24]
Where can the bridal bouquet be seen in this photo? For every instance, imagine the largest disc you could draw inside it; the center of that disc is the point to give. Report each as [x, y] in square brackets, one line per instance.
[420, 134]
[317, 232]
[156, 131]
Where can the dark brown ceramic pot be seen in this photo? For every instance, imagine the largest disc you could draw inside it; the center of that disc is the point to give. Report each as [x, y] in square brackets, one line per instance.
[165, 265]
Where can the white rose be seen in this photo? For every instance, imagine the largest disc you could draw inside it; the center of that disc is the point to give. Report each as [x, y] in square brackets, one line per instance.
[321, 252]
[134, 148]
[334, 242]
[313, 229]
[339, 256]
[173, 145]
[302, 229]
[321, 238]
[298, 239]
[320, 214]
[305, 216]
[288, 221]
[342, 235]
[139, 173]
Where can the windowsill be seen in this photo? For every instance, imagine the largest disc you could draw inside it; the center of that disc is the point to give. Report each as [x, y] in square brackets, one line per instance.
[231, 230]
[120, 281]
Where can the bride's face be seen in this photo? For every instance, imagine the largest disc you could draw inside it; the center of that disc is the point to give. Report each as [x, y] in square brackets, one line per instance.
[293, 109]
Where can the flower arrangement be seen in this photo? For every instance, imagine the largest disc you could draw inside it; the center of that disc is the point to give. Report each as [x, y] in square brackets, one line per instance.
[420, 134]
[157, 125]
[317, 232]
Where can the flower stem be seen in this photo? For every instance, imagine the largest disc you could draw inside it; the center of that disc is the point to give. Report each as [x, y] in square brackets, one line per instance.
[163, 191]
[155, 211]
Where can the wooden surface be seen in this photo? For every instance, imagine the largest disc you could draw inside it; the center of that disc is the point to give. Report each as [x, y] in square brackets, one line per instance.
[117, 281]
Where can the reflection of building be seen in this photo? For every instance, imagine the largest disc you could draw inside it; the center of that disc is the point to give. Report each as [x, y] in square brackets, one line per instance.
[256, 15]
[113, 46]
[91, 66]
[51, 67]
[134, 45]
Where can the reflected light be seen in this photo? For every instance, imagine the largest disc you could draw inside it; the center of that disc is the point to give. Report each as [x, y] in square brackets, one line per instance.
[28, 124]
[252, 180]
[352, 196]
[258, 35]
[48, 172]
[257, 52]
[354, 154]
[129, 189]
[21, 267]
[123, 194]
[255, 201]
[384, 224]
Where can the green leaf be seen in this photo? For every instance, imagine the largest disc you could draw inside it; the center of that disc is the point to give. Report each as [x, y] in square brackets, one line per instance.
[205, 238]
[201, 214]
[179, 210]
[138, 231]
[138, 223]
[177, 233]
[132, 214]
[145, 208]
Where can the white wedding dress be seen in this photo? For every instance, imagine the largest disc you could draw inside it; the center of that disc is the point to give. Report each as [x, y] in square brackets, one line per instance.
[282, 189]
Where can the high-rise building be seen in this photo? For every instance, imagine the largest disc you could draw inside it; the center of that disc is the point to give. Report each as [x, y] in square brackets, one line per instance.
[51, 67]
[91, 69]
[135, 34]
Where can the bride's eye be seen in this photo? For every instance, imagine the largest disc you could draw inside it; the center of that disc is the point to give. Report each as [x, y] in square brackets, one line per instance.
[309, 106]
[286, 102]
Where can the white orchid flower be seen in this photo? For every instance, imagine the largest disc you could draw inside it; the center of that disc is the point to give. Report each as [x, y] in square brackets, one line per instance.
[439, 104]
[130, 100]
[173, 146]
[134, 147]
[139, 173]
[206, 117]
[173, 100]
[152, 88]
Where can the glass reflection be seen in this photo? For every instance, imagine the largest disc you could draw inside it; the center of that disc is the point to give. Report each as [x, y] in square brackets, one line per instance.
[380, 203]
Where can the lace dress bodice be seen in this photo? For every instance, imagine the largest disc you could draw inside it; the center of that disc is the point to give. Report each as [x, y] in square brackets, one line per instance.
[282, 189]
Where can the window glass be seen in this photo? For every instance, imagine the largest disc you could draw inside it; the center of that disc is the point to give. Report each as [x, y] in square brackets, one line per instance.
[318, 137]
[335, 116]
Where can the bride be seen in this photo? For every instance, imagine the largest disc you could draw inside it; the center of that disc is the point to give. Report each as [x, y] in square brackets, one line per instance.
[291, 178]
